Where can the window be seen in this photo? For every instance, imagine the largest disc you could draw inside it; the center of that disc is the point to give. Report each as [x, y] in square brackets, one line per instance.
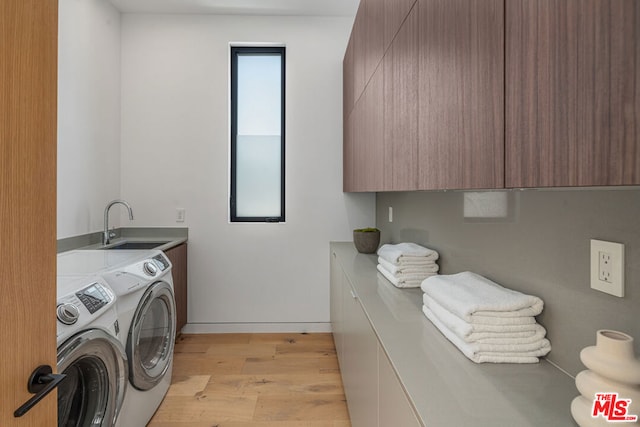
[257, 134]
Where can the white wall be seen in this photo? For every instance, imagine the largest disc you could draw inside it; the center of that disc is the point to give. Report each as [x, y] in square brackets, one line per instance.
[88, 114]
[175, 153]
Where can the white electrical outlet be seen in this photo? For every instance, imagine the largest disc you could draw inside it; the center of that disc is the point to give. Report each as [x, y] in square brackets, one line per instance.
[180, 212]
[607, 267]
[604, 266]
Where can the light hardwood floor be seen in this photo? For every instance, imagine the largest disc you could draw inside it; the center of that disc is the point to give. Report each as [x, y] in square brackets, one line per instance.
[254, 380]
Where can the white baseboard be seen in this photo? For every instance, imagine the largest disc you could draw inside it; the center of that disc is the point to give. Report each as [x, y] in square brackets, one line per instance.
[224, 328]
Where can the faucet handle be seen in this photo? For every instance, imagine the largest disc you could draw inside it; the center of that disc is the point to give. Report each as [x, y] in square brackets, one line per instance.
[112, 234]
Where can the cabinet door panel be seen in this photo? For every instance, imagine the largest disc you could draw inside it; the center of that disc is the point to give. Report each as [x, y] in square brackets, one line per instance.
[573, 93]
[359, 35]
[395, 11]
[401, 108]
[394, 407]
[461, 115]
[360, 369]
[367, 156]
[347, 80]
[373, 145]
[178, 257]
[374, 23]
[336, 297]
[348, 156]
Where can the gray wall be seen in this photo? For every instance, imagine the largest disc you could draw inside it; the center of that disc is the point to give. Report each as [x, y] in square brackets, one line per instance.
[541, 247]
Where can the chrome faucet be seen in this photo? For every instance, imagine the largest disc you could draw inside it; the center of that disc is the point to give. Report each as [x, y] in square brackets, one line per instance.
[106, 236]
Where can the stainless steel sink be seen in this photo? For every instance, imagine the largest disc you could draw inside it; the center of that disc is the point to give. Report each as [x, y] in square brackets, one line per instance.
[136, 245]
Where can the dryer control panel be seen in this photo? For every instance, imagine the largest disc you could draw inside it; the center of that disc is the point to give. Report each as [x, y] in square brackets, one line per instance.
[94, 297]
[162, 261]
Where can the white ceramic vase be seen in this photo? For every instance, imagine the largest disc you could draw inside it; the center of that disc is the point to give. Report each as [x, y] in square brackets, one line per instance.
[613, 368]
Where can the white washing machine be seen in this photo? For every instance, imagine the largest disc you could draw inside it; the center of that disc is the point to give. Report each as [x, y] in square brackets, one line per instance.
[90, 353]
[143, 286]
[146, 312]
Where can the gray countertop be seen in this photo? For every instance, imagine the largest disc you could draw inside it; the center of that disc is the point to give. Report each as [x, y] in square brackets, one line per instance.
[174, 237]
[445, 387]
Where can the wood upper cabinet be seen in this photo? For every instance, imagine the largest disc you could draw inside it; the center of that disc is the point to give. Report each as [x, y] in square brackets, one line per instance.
[401, 108]
[461, 94]
[572, 93]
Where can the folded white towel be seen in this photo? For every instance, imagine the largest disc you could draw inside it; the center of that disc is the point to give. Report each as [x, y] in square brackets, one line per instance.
[490, 333]
[474, 298]
[481, 353]
[392, 253]
[414, 261]
[401, 282]
[429, 267]
[478, 319]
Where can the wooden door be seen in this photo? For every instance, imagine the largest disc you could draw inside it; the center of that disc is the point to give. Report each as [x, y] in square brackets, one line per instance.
[461, 95]
[28, 82]
[573, 93]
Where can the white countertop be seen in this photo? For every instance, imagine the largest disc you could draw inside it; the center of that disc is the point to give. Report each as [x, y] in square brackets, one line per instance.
[445, 387]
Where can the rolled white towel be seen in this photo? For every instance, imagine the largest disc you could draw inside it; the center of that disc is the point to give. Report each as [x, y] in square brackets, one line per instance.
[486, 333]
[393, 253]
[429, 267]
[481, 353]
[399, 282]
[474, 298]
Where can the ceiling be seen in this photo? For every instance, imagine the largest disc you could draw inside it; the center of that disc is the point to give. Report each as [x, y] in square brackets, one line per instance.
[242, 7]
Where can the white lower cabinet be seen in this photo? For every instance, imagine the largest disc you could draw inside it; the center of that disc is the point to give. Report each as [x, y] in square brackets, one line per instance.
[374, 395]
[394, 408]
[335, 304]
[360, 356]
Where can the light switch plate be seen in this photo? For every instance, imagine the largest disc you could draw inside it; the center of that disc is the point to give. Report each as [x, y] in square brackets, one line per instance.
[180, 212]
[607, 267]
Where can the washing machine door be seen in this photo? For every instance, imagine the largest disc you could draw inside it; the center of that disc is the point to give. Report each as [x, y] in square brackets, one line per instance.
[96, 368]
[151, 336]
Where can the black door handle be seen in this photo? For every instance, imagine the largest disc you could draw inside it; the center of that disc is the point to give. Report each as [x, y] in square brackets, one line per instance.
[41, 382]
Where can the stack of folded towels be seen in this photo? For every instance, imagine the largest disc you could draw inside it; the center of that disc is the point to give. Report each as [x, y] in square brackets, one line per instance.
[487, 322]
[406, 265]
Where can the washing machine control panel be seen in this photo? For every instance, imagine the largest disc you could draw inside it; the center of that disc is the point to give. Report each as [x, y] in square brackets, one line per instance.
[94, 297]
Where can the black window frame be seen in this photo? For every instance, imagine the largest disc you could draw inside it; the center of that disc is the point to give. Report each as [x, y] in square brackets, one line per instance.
[257, 50]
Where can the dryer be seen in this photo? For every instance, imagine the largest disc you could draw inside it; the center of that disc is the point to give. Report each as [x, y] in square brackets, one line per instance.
[147, 316]
[89, 353]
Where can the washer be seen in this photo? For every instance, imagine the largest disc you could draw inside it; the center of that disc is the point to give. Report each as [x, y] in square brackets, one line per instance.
[146, 313]
[89, 353]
